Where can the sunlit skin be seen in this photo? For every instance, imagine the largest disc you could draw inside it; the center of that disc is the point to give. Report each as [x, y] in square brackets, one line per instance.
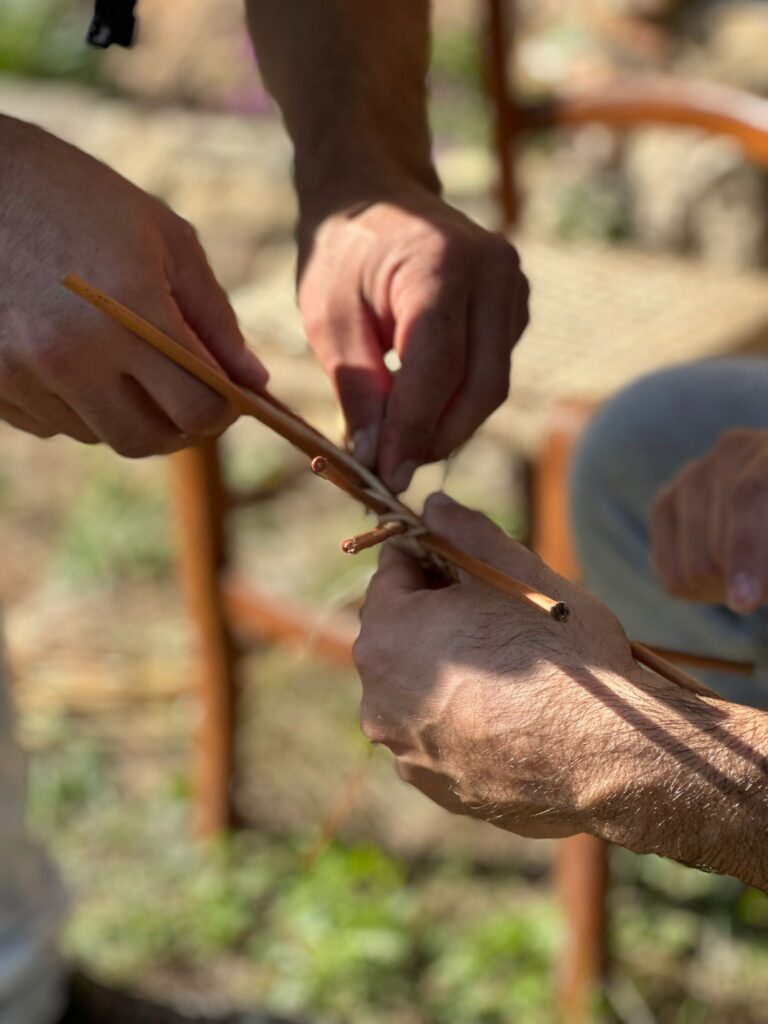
[66, 369]
[549, 729]
[384, 261]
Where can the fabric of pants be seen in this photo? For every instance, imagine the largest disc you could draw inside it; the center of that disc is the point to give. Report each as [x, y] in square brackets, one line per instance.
[633, 446]
[31, 895]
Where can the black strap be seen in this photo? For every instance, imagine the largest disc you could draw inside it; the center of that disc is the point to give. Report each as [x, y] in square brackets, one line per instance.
[113, 22]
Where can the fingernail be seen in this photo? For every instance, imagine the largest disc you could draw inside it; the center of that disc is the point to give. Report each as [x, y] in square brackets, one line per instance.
[744, 592]
[365, 444]
[402, 476]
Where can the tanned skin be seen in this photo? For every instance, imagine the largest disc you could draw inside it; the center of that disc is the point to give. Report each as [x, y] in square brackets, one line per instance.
[549, 729]
[384, 262]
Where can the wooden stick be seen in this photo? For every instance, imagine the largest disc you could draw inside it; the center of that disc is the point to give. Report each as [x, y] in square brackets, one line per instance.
[332, 463]
[261, 406]
[336, 476]
[336, 466]
[741, 668]
[440, 546]
[558, 610]
[649, 659]
[363, 541]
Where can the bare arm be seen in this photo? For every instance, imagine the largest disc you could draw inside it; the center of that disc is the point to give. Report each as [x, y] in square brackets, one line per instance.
[550, 729]
[384, 262]
[695, 788]
[350, 79]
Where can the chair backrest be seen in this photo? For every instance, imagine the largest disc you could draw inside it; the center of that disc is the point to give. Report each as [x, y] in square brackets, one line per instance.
[627, 103]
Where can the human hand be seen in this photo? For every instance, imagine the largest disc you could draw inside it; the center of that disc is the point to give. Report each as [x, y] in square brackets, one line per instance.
[410, 273]
[66, 368]
[492, 708]
[708, 526]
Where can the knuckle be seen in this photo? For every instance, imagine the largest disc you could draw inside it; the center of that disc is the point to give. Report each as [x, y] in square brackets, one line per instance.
[440, 317]
[505, 256]
[53, 359]
[662, 506]
[324, 322]
[369, 655]
[132, 447]
[142, 445]
[408, 772]
[373, 729]
[747, 492]
[373, 724]
[185, 231]
[731, 442]
[360, 652]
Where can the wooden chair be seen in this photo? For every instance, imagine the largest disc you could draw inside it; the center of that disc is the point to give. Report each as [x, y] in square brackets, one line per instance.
[585, 342]
[601, 318]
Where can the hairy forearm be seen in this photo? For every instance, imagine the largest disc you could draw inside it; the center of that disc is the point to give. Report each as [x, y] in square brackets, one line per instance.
[350, 79]
[689, 780]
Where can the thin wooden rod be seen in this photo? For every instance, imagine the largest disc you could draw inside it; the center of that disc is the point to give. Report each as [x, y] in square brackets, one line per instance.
[495, 577]
[742, 668]
[445, 549]
[649, 659]
[263, 407]
[363, 541]
[339, 468]
[336, 476]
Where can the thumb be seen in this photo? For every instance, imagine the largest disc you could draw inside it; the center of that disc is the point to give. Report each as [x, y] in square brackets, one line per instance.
[479, 536]
[205, 307]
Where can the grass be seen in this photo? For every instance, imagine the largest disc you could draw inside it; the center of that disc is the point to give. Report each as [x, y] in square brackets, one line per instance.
[361, 935]
[117, 529]
[45, 39]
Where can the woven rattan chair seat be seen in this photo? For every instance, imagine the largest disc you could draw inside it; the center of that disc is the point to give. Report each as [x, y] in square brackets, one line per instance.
[600, 318]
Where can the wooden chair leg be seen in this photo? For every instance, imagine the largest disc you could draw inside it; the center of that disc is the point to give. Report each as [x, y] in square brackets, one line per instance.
[200, 517]
[582, 862]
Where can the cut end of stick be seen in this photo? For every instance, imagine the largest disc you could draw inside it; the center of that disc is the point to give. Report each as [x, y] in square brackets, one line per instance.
[560, 612]
[380, 533]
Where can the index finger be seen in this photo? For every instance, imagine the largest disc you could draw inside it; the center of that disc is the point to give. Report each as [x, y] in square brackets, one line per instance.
[431, 344]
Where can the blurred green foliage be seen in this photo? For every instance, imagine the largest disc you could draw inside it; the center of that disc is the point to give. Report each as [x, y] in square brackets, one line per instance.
[117, 529]
[360, 936]
[457, 57]
[62, 787]
[595, 208]
[496, 969]
[458, 109]
[46, 38]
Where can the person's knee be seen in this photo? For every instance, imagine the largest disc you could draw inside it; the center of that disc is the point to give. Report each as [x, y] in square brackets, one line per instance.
[631, 447]
[612, 453]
